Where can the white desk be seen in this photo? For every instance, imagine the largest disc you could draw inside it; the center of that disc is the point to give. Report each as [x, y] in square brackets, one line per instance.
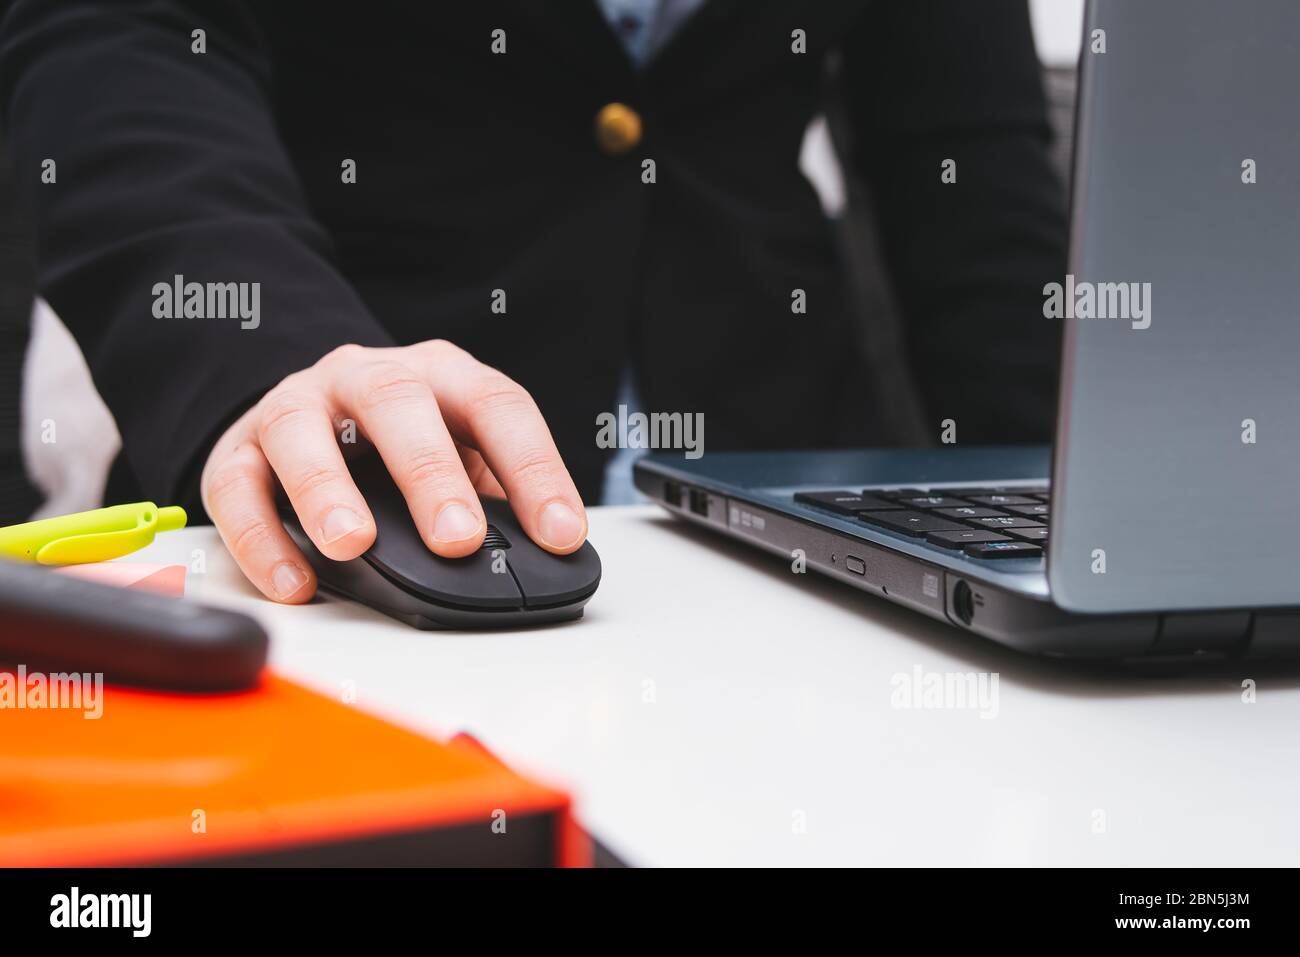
[711, 701]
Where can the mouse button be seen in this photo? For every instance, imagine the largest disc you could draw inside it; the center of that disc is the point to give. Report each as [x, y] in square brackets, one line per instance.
[544, 578]
[475, 580]
[547, 579]
[401, 555]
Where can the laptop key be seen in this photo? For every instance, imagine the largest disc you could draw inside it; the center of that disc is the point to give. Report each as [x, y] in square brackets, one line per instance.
[1029, 534]
[1004, 550]
[842, 503]
[1008, 521]
[914, 524]
[1001, 499]
[1039, 509]
[872, 503]
[932, 501]
[972, 536]
[895, 493]
[967, 512]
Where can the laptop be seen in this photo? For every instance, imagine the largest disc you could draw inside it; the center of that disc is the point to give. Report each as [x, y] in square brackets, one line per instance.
[1164, 523]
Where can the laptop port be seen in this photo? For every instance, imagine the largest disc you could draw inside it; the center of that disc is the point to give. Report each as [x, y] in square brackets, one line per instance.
[673, 494]
[963, 603]
[700, 502]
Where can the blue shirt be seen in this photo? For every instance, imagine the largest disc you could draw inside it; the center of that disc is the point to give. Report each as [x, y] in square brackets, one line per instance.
[644, 26]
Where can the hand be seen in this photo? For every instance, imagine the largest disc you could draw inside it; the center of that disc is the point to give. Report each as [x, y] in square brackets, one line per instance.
[445, 424]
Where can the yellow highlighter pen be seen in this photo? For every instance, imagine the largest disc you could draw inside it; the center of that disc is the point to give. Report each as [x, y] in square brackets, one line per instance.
[95, 536]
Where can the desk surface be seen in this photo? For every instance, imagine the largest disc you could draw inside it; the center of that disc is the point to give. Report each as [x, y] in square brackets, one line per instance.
[715, 708]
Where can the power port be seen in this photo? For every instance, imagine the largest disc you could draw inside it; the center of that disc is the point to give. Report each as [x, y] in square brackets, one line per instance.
[673, 494]
[963, 603]
[700, 502]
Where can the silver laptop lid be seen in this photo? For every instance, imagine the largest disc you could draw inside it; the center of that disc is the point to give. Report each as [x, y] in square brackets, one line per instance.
[1176, 480]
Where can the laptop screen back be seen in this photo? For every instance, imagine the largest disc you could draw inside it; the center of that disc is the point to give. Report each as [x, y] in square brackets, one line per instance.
[1176, 479]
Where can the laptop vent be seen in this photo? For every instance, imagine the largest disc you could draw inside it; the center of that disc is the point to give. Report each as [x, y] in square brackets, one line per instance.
[494, 539]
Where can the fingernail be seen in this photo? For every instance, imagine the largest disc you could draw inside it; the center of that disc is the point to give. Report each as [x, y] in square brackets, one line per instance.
[340, 522]
[559, 526]
[287, 579]
[455, 523]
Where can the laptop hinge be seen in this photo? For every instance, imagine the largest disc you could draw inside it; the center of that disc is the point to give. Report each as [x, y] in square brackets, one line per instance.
[1216, 633]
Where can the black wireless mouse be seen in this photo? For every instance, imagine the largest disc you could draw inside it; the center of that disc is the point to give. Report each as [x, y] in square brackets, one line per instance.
[508, 582]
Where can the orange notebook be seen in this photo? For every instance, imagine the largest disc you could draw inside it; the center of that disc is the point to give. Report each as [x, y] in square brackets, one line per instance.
[277, 776]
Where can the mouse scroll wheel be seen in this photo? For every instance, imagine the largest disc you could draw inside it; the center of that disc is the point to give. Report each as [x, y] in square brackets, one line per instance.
[494, 539]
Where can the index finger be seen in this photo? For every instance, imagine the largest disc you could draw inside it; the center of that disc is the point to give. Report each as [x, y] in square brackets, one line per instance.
[490, 412]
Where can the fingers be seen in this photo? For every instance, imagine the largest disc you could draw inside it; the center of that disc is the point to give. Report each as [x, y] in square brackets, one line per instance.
[485, 483]
[489, 411]
[444, 424]
[296, 435]
[395, 406]
[238, 493]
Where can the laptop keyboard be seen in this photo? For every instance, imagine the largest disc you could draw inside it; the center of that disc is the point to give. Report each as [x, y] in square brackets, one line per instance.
[992, 523]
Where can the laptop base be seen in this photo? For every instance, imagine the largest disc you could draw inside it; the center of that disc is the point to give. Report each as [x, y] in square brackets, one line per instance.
[1011, 607]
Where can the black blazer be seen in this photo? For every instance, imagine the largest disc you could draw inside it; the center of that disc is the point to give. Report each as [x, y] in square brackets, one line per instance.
[479, 171]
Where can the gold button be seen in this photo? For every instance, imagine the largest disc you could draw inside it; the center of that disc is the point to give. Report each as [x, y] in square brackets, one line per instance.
[618, 128]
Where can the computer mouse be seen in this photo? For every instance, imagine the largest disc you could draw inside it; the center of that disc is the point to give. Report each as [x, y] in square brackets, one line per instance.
[508, 582]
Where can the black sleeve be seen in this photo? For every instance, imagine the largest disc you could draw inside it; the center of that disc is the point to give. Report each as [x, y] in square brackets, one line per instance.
[931, 80]
[168, 163]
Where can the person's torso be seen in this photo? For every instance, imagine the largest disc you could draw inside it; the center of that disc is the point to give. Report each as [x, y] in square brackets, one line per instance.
[486, 210]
